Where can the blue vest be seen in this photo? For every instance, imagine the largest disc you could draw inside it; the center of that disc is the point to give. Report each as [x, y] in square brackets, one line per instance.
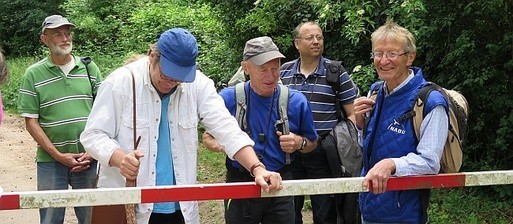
[387, 135]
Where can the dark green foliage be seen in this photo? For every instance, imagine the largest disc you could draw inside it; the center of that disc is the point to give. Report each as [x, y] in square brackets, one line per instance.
[122, 27]
[466, 45]
[215, 55]
[470, 48]
[99, 24]
[20, 24]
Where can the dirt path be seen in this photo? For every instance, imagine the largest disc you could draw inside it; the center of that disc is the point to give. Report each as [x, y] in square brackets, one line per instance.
[18, 169]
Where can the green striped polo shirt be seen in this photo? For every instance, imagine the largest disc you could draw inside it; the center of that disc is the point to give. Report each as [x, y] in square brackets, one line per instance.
[62, 103]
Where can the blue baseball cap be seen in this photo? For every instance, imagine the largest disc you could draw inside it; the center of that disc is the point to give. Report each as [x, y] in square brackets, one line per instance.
[178, 51]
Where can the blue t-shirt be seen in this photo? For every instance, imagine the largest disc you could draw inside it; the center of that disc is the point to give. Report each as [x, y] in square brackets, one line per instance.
[262, 114]
[165, 171]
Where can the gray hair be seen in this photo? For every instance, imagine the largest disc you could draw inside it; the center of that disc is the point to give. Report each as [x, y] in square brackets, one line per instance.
[392, 30]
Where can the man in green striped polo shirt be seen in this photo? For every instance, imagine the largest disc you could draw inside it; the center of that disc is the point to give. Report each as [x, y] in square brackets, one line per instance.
[56, 96]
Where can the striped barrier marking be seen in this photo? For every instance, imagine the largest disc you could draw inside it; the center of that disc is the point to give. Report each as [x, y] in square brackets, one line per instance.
[199, 192]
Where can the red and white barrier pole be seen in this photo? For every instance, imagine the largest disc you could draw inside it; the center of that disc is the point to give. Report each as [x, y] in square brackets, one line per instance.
[135, 195]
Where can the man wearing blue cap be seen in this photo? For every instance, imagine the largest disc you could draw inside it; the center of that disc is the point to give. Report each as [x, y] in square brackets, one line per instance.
[56, 96]
[172, 98]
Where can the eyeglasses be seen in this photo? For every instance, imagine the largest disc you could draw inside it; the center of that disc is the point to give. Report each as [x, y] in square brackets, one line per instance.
[167, 79]
[60, 35]
[390, 55]
[311, 38]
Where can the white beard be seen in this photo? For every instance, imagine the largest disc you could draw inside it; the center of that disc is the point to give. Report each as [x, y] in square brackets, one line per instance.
[61, 52]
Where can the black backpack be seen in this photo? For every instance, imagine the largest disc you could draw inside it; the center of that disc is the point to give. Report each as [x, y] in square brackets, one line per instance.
[346, 160]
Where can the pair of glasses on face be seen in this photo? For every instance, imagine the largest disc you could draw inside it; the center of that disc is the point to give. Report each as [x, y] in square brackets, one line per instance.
[61, 34]
[166, 79]
[311, 38]
[389, 55]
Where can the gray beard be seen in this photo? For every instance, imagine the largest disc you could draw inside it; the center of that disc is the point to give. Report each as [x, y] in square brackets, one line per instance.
[59, 52]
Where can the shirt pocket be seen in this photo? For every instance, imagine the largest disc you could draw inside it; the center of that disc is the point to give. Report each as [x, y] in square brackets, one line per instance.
[126, 135]
[189, 131]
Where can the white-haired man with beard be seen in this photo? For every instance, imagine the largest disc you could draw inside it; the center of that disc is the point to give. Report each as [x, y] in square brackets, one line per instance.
[56, 97]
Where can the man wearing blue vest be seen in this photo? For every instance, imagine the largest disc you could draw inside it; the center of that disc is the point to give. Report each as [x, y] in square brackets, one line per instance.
[390, 147]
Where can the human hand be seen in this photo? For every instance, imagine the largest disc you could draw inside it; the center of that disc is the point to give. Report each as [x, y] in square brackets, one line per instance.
[377, 177]
[84, 162]
[211, 143]
[129, 166]
[289, 143]
[362, 105]
[70, 159]
[267, 180]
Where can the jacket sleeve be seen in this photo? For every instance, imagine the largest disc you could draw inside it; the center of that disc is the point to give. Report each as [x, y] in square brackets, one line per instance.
[217, 120]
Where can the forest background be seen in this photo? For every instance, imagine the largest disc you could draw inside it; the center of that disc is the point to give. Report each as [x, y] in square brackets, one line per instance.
[463, 45]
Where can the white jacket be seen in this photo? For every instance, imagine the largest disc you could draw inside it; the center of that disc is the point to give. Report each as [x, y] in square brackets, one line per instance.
[110, 127]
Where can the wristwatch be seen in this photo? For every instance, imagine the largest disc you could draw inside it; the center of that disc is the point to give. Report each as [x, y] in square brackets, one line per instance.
[303, 144]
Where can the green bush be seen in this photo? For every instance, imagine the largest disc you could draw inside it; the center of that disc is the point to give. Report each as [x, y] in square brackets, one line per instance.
[17, 67]
[216, 58]
[122, 27]
[465, 45]
[99, 22]
[11, 89]
[20, 24]
[446, 207]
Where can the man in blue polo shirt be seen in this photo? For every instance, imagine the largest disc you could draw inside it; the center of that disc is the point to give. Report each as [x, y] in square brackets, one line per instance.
[308, 75]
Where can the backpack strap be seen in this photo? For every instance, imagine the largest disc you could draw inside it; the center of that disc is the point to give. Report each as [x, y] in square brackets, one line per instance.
[283, 103]
[240, 112]
[86, 61]
[418, 107]
[333, 71]
[372, 94]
